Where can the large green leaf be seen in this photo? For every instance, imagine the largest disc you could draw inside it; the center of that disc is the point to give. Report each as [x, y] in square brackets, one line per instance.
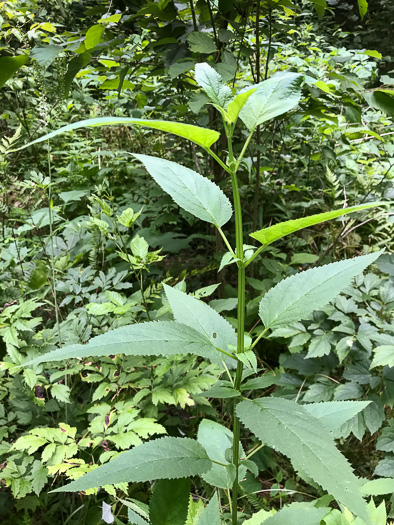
[211, 513]
[9, 66]
[152, 338]
[45, 55]
[333, 414]
[169, 502]
[272, 98]
[93, 36]
[191, 191]
[201, 136]
[290, 429]
[277, 231]
[212, 84]
[296, 297]
[164, 458]
[216, 439]
[201, 317]
[75, 65]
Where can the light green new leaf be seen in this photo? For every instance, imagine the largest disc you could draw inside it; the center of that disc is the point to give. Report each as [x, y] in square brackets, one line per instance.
[201, 136]
[297, 514]
[333, 414]
[362, 7]
[211, 513]
[296, 297]
[290, 429]
[272, 98]
[152, 338]
[191, 191]
[169, 502]
[93, 36]
[201, 317]
[164, 458]
[216, 439]
[212, 84]
[9, 66]
[277, 231]
[238, 103]
[378, 487]
[384, 356]
[259, 517]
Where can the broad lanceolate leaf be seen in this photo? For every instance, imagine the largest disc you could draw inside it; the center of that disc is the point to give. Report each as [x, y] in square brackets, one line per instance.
[152, 338]
[212, 84]
[297, 514]
[290, 429]
[296, 297]
[169, 502]
[377, 487]
[164, 458]
[277, 231]
[333, 414]
[216, 439]
[201, 136]
[272, 98]
[191, 191]
[211, 513]
[9, 66]
[201, 317]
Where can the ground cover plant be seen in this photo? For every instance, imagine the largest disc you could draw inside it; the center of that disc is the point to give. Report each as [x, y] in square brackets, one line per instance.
[196, 296]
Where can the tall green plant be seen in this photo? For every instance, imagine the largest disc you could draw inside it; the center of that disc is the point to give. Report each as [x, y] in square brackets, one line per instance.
[301, 432]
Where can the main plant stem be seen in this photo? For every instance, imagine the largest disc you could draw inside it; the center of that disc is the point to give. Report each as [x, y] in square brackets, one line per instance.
[241, 323]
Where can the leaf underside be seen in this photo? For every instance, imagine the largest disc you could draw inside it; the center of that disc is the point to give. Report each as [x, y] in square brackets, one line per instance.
[271, 98]
[191, 191]
[290, 429]
[152, 338]
[198, 315]
[333, 414]
[164, 458]
[211, 513]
